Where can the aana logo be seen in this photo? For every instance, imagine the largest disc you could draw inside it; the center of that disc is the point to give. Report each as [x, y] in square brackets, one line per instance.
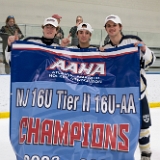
[79, 68]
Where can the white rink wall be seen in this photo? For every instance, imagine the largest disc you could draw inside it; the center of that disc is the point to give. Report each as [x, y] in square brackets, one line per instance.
[153, 90]
[137, 15]
[4, 93]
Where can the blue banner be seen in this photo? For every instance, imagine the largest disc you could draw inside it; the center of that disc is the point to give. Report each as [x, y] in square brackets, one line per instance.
[74, 104]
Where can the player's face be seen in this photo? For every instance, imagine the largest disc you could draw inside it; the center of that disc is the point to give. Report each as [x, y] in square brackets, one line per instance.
[113, 29]
[84, 36]
[49, 31]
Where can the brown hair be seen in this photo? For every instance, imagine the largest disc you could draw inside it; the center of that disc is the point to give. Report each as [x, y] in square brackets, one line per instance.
[8, 18]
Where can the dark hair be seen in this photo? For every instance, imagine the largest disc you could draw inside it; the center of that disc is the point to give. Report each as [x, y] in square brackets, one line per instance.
[8, 18]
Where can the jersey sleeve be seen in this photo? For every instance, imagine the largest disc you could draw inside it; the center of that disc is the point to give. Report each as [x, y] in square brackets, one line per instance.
[149, 57]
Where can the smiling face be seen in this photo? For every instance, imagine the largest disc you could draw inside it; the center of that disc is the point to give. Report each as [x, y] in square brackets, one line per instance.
[84, 36]
[113, 29]
[49, 31]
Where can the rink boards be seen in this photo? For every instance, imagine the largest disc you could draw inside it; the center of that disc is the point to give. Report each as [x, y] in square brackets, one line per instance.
[153, 93]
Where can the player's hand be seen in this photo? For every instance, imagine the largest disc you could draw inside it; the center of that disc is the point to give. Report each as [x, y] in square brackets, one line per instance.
[141, 45]
[101, 49]
[64, 42]
[12, 39]
[77, 24]
[59, 35]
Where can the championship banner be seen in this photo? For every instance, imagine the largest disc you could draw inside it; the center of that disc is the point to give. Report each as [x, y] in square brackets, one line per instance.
[74, 104]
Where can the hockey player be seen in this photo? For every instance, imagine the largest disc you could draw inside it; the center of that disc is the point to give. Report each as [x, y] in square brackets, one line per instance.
[84, 34]
[113, 27]
[49, 27]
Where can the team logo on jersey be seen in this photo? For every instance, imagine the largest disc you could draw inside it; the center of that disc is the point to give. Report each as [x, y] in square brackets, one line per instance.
[146, 118]
[93, 68]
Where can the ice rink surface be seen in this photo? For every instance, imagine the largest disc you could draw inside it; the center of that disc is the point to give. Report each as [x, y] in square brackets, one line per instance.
[7, 152]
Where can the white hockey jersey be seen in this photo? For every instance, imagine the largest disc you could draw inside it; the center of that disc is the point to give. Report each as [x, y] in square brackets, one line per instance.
[146, 59]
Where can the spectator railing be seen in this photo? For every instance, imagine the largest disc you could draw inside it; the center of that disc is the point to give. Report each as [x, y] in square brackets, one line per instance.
[98, 36]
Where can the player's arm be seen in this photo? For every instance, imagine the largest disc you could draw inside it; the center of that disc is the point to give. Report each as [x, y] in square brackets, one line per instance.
[11, 39]
[146, 53]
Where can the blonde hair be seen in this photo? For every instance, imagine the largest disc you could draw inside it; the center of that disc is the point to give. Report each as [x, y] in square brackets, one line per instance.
[79, 17]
